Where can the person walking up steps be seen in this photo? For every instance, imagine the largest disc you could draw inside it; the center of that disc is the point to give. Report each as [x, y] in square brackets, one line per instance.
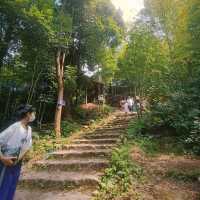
[138, 106]
[15, 141]
[130, 103]
[126, 107]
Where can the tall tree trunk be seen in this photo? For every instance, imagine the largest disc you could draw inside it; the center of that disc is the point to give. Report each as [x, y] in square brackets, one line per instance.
[60, 60]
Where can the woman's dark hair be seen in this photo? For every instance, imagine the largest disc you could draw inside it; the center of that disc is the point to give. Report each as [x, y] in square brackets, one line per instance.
[22, 110]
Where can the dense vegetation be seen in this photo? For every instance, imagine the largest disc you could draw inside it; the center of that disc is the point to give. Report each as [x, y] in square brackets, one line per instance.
[157, 59]
[118, 179]
[161, 63]
[56, 52]
[36, 35]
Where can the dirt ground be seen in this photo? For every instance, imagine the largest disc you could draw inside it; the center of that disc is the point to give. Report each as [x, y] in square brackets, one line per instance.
[159, 186]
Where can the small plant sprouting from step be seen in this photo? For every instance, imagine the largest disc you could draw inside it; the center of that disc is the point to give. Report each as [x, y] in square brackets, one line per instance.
[120, 176]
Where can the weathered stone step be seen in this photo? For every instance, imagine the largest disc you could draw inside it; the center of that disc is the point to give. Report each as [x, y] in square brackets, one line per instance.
[108, 131]
[88, 146]
[72, 164]
[78, 167]
[102, 136]
[36, 194]
[75, 154]
[122, 123]
[122, 118]
[96, 141]
[58, 180]
[112, 129]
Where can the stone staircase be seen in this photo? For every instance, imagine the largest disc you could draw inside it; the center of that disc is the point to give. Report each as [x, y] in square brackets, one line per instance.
[74, 172]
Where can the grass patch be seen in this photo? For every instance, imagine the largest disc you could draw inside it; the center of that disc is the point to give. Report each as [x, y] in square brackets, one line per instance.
[138, 138]
[153, 144]
[44, 145]
[119, 177]
[191, 176]
[68, 127]
[170, 145]
[45, 142]
[146, 144]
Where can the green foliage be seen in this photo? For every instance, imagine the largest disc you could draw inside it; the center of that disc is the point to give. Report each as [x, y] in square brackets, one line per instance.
[153, 138]
[142, 63]
[159, 60]
[92, 114]
[107, 109]
[118, 178]
[42, 145]
[192, 141]
[174, 112]
[83, 114]
[163, 120]
[137, 133]
[181, 113]
[161, 63]
[31, 32]
[69, 127]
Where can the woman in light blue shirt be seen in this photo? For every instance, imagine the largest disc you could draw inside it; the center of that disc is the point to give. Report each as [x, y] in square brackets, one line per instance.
[15, 141]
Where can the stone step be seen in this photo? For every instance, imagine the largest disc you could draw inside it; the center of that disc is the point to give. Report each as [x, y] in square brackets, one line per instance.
[59, 180]
[102, 136]
[96, 141]
[108, 131]
[112, 129]
[122, 123]
[72, 164]
[74, 172]
[88, 146]
[120, 120]
[114, 125]
[75, 154]
[36, 194]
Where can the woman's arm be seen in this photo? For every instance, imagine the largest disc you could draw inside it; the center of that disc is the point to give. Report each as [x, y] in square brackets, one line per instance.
[6, 134]
[4, 137]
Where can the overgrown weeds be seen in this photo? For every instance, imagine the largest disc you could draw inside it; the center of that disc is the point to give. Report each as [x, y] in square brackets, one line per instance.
[118, 179]
[153, 138]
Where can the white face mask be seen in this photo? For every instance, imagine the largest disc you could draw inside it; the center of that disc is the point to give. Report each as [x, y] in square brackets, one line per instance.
[32, 118]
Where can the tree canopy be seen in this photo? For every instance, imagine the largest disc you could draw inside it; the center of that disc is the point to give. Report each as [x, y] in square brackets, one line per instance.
[157, 57]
